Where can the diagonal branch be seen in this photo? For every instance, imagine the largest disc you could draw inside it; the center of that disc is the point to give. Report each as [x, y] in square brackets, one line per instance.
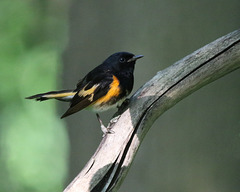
[109, 165]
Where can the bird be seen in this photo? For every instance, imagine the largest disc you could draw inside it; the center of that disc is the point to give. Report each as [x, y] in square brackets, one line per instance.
[104, 87]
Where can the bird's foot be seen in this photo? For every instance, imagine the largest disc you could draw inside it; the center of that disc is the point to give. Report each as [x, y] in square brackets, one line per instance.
[105, 130]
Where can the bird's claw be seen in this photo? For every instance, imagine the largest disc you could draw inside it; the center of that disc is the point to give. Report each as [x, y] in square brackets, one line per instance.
[105, 130]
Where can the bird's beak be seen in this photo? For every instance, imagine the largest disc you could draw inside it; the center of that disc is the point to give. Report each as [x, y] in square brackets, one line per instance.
[135, 57]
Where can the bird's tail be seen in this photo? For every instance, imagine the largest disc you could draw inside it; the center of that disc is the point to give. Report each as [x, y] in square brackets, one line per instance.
[64, 95]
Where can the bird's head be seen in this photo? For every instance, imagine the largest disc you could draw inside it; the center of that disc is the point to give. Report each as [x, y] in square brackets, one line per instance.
[122, 60]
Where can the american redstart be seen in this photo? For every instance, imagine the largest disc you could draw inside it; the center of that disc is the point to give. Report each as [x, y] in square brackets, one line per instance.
[104, 87]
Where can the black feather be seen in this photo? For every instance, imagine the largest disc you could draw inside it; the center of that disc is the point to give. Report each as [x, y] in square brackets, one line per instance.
[42, 96]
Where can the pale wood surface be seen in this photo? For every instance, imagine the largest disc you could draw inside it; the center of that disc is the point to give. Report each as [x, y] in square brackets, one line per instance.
[110, 163]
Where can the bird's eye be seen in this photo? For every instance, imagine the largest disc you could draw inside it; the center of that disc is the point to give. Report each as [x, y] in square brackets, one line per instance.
[122, 60]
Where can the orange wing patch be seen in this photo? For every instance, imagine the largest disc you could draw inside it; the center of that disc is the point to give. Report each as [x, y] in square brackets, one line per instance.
[114, 91]
[84, 93]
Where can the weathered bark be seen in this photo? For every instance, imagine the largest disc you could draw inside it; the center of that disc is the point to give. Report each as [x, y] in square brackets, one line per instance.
[109, 165]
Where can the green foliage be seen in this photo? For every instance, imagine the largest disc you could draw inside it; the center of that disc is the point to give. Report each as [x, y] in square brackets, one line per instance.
[33, 140]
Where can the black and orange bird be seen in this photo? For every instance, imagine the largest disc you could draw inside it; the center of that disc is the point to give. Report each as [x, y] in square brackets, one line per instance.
[106, 86]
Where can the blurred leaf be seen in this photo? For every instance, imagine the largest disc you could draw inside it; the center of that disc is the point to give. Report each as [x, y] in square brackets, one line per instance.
[33, 140]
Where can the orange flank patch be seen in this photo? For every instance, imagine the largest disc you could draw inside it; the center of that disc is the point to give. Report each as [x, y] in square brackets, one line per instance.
[84, 93]
[114, 91]
[61, 95]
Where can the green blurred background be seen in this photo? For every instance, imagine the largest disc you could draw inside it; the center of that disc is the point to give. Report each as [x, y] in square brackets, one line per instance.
[50, 45]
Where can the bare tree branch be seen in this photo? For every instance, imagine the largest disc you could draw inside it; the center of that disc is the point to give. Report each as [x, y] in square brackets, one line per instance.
[109, 165]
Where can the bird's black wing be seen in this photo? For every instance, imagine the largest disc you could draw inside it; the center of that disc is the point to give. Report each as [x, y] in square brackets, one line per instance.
[88, 91]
